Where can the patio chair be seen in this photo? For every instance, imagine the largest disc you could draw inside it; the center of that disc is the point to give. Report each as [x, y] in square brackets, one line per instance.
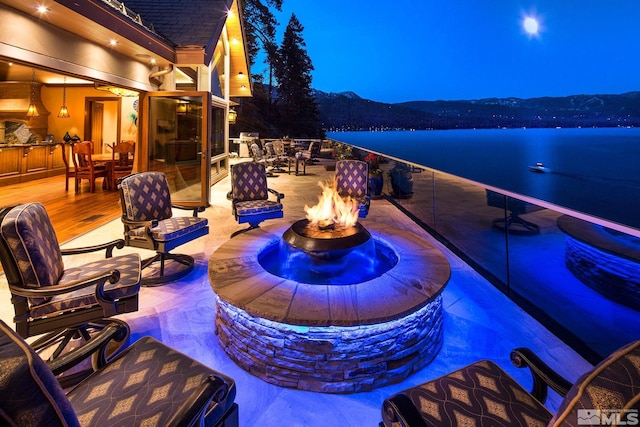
[482, 394]
[149, 223]
[352, 180]
[50, 298]
[260, 157]
[279, 155]
[85, 166]
[149, 383]
[249, 196]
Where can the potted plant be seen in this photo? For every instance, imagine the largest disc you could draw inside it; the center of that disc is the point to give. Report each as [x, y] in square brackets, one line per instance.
[376, 177]
[402, 181]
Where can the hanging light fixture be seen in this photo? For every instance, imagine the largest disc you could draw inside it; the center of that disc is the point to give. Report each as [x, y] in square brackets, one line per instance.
[64, 112]
[32, 111]
[232, 116]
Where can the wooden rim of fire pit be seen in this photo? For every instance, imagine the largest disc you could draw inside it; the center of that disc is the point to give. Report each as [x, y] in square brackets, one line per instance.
[420, 276]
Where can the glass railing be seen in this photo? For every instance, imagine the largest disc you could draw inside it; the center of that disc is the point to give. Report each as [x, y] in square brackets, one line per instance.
[577, 277]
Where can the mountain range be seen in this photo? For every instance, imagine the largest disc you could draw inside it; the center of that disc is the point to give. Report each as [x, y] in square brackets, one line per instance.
[348, 111]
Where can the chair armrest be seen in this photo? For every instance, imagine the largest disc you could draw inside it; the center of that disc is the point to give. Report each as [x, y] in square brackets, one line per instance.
[109, 246]
[113, 276]
[195, 408]
[400, 411]
[190, 208]
[98, 281]
[64, 362]
[277, 194]
[543, 375]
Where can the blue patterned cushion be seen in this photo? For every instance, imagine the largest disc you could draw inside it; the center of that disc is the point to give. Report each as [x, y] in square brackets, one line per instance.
[170, 229]
[29, 393]
[254, 207]
[34, 245]
[149, 381]
[129, 284]
[352, 178]
[146, 197]
[614, 384]
[249, 182]
[481, 394]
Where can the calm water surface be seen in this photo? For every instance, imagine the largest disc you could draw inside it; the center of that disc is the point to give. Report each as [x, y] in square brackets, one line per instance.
[595, 171]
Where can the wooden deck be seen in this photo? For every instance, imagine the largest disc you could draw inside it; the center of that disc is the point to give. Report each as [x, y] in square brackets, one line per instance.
[71, 214]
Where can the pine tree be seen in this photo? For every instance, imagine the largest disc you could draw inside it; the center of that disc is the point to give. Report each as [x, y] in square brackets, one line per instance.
[261, 32]
[299, 115]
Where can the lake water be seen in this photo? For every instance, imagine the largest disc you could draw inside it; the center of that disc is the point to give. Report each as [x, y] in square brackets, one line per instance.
[595, 171]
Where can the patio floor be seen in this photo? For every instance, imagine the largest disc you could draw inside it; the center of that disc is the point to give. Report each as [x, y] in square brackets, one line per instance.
[479, 321]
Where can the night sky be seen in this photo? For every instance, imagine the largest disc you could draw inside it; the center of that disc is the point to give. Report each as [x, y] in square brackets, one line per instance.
[405, 50]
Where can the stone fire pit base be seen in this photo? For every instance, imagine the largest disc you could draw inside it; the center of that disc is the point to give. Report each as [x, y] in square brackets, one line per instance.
[330, 338]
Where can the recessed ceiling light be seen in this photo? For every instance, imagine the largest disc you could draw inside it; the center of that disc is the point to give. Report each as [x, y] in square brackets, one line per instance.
[42, 9]
[113, 42]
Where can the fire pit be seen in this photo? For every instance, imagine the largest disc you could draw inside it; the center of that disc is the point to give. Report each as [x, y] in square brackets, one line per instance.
[325, 243]
[314, 310]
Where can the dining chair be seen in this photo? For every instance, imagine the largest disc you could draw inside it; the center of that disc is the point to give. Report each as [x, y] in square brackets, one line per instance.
[85, 166]
[70, 172]
[122, 161]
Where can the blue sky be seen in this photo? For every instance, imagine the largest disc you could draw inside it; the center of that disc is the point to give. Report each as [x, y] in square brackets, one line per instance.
[405, 50]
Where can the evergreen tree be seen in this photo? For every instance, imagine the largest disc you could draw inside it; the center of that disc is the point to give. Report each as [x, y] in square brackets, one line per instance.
[299, 115]
[260, 26]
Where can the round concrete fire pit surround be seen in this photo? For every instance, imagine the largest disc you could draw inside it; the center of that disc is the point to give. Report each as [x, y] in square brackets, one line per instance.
[330, 338]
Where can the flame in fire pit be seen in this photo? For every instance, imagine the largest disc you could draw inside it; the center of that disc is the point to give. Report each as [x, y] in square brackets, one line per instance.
[332, 211]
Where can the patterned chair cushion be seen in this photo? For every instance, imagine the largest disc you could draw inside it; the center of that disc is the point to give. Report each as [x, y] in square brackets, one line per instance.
[146, 197]
[249, 182]
[129, 285]
[170, 229]
[481, 394]
[29, 393]
[352, 178]
[149, 380]
[613, 384]
[256, 207]
[34, 245]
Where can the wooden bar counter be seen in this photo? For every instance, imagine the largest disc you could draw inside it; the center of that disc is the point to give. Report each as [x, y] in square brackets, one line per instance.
[28, 162]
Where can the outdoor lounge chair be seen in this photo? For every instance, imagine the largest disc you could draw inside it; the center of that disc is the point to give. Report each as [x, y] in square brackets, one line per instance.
[148, 383]
[249, 196]
[352, 180]
[482, 394]
[149, 223]
[54, 301]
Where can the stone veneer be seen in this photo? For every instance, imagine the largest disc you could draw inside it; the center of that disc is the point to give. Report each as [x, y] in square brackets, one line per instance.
[330, 338]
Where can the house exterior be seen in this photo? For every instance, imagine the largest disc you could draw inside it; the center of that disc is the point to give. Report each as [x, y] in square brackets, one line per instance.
[159, 73]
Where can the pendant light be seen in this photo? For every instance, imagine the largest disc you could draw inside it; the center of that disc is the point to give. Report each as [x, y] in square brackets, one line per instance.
[64, 112]
[32, 111]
